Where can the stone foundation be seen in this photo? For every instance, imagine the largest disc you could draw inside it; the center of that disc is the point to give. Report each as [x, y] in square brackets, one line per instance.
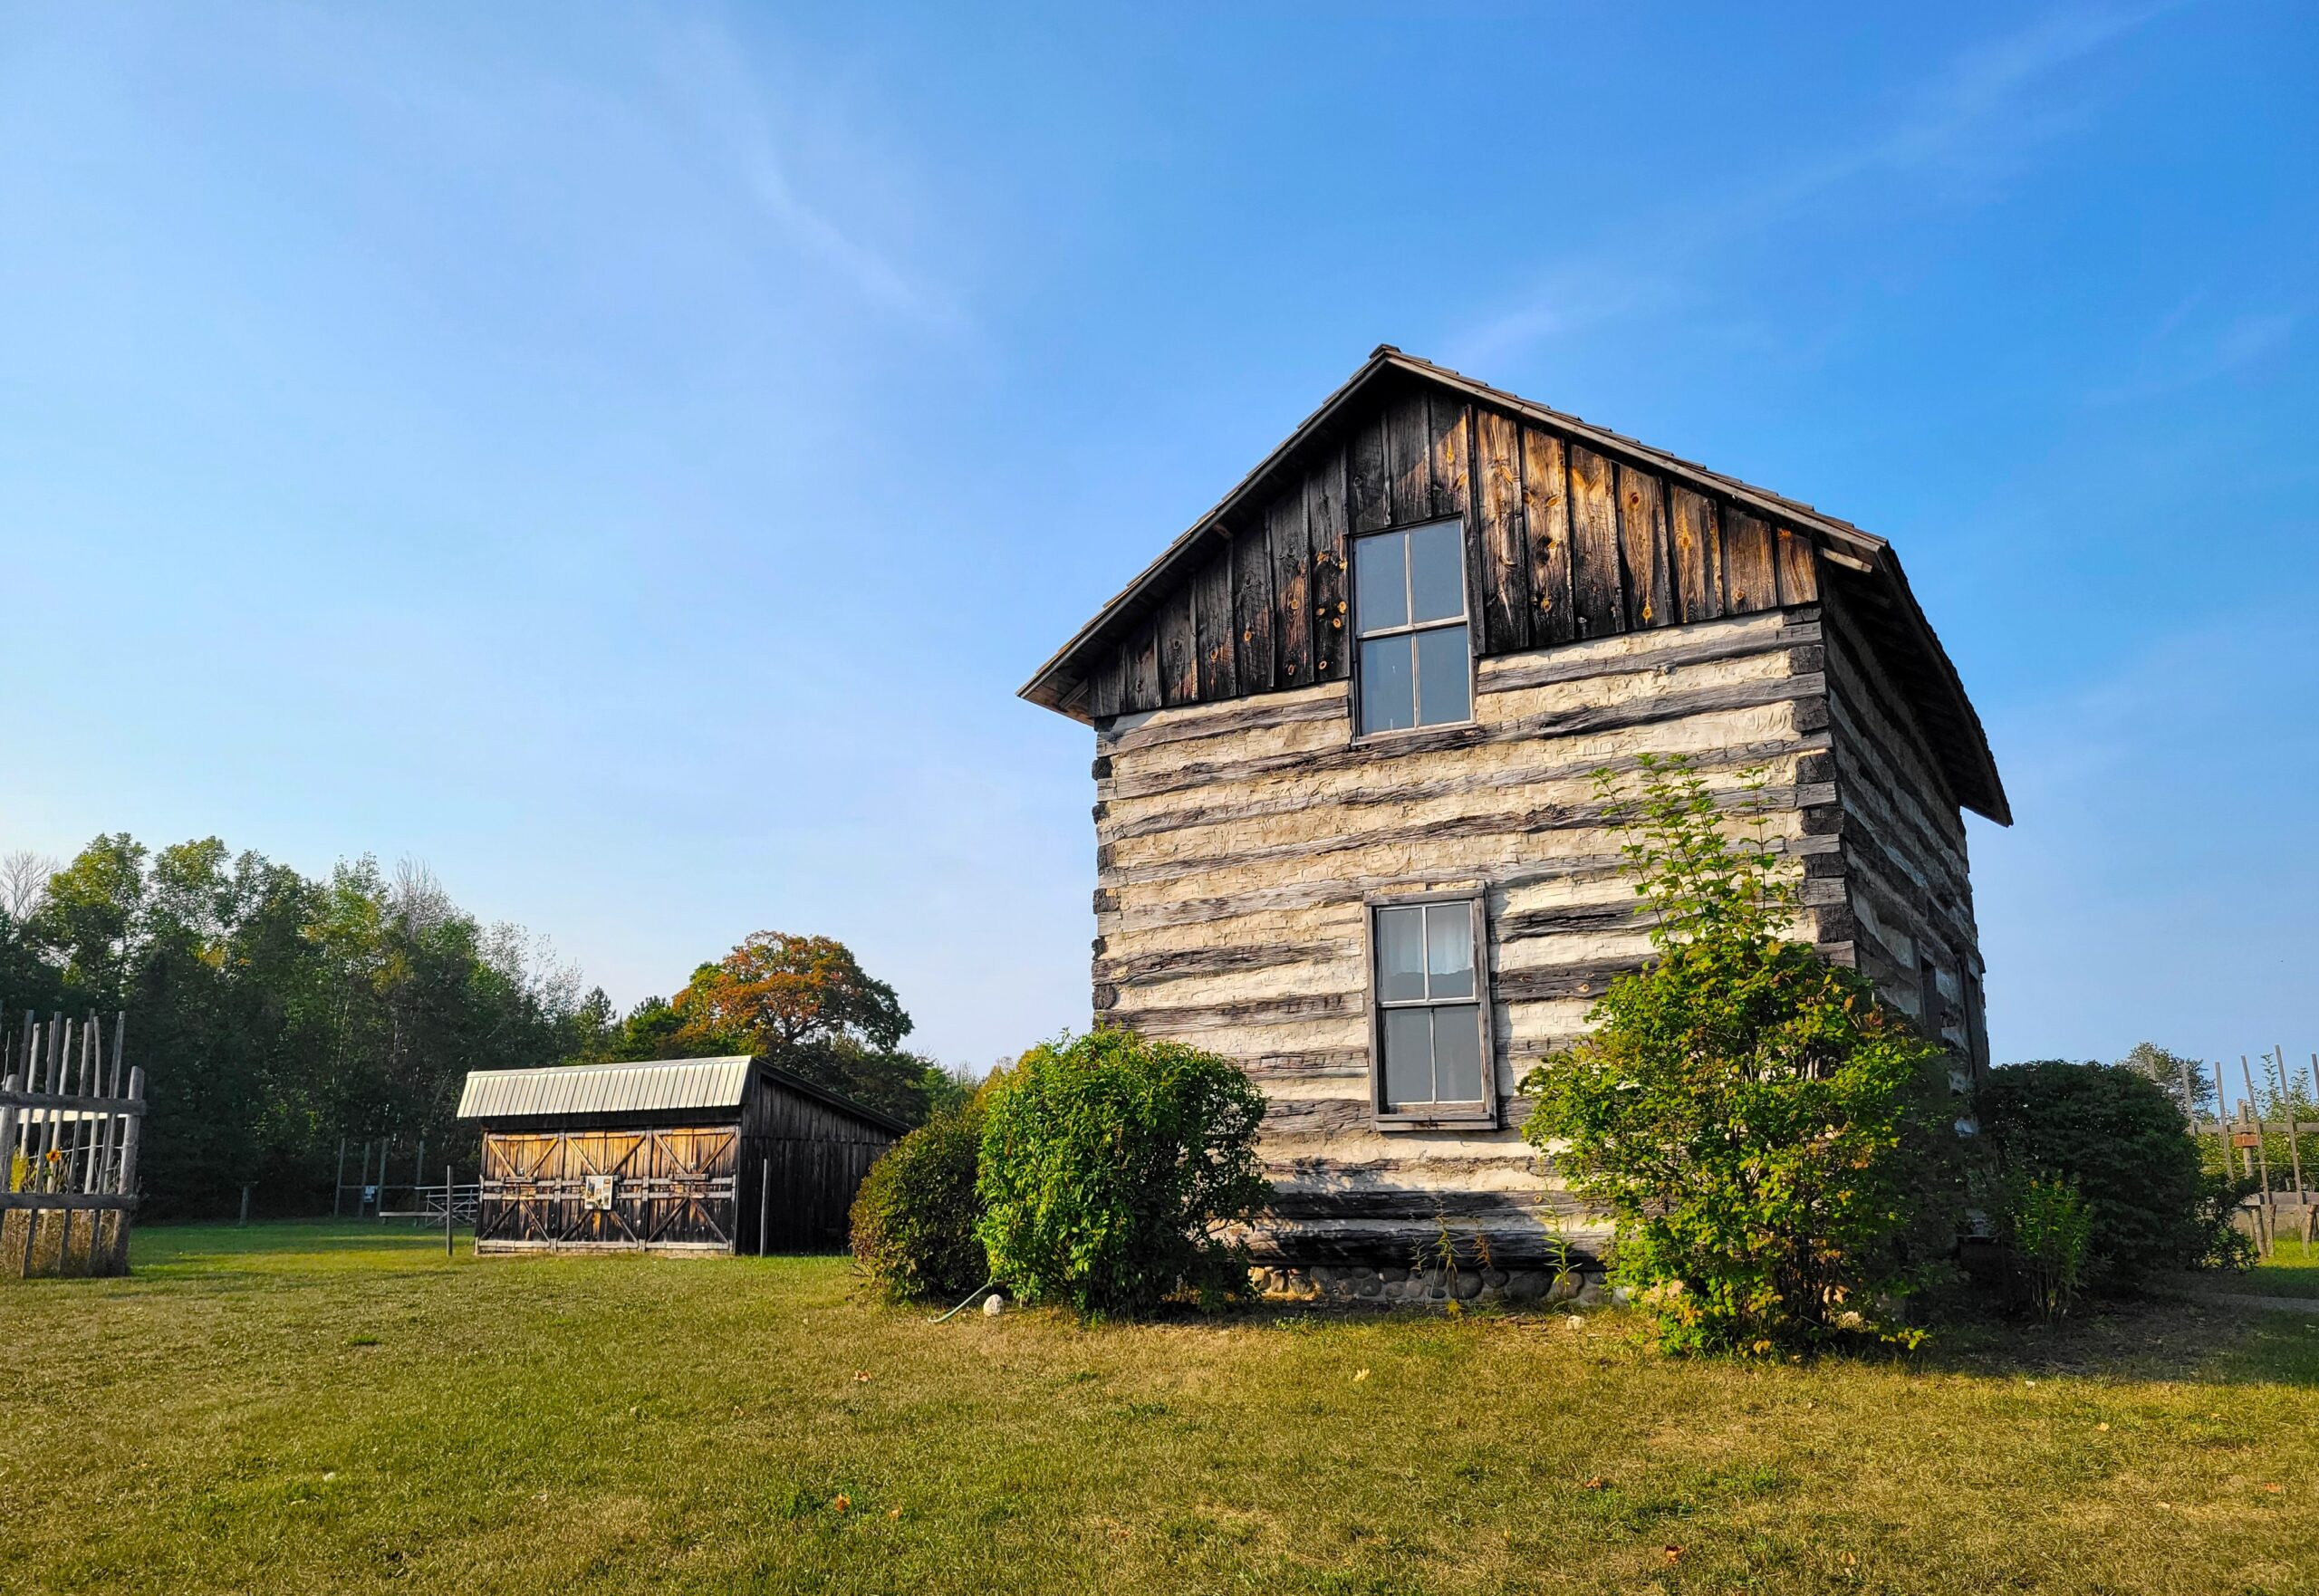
[1341, 1282]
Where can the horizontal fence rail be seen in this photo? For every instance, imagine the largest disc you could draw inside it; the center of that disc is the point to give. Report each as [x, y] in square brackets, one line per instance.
[70, 1117]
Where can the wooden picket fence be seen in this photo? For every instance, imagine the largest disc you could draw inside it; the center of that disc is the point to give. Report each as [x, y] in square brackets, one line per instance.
[70, 1113]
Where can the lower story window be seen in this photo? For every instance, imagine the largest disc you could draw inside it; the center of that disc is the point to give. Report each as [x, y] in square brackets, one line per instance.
[1431, 1045]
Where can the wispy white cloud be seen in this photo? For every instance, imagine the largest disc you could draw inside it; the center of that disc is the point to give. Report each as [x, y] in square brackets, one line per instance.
[2183, 352]
[713, 78]
[1970, 125]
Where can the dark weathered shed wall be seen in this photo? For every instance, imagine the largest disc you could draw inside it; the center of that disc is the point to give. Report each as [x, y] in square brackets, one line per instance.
[816, 1155]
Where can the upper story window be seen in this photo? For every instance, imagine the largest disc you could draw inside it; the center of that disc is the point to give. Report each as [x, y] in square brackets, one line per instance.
[1415, 666]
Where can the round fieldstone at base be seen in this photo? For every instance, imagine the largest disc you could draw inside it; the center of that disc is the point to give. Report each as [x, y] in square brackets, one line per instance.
[1352, 1283]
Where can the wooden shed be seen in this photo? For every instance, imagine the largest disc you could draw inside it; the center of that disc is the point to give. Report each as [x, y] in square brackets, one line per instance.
[1346, 831]
[722, 1154]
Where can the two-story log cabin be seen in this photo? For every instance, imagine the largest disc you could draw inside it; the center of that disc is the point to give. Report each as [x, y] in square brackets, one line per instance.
[1346, 830]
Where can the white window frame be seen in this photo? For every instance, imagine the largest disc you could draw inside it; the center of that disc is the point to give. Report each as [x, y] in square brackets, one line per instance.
[1454, 1116]
[1465, 618]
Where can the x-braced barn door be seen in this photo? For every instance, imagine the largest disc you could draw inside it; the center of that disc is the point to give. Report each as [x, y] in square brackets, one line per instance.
[609, 1188]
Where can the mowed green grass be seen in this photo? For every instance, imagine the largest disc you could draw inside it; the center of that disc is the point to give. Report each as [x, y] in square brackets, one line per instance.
[2291, 1270]
[339, 1408]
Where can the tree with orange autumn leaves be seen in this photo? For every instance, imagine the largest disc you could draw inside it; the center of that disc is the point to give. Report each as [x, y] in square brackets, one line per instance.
[802, 1003]
[782, 993]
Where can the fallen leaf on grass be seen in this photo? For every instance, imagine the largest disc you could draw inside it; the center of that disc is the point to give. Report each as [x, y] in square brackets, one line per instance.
[1596, 1483]
[861, 1374]
[841, 1501]
[893, 1513]
[1360, 1374]
[1672, 1553]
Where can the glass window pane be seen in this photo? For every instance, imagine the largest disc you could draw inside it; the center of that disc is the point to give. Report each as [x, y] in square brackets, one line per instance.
[1400, 954]
[1437, 572]
[1444, 676]
[1457, 1052]
[1380, 593]
[1388, 689]
[1409, 1056]
[1449, 950]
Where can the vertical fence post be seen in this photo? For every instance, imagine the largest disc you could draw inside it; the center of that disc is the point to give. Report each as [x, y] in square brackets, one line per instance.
[8, 1135]
[446, 1210]
[2222, 1124]
[337, 1181]
[2255, 1107]
[246, 1203]
[418, 1173]
[765, 1204]
[2294, 1151]
[129, 1139]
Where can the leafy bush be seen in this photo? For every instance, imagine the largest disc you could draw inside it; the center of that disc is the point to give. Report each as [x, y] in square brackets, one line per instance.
[1108, 1163]
[914, 1218]
[1773, 1144]
[2047, 1224]
[2121, 1138]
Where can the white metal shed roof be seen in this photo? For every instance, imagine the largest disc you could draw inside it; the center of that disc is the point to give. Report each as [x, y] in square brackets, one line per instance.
[605, 1089]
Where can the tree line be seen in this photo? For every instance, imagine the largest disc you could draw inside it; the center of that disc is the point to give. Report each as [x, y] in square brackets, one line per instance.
[276, 1013]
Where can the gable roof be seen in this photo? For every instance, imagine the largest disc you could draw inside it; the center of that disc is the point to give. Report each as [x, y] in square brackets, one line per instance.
[649, 1086]
[1869, 571]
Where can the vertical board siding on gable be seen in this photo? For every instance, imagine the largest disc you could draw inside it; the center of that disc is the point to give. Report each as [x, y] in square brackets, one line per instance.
[1505, 563]
[1369, 484]
[1212, 617]
[1697, 547]
[1642, 547]
[1448, 425]
[1325, 526]
[1563, 542]
[1594, 546]
[1143, 668]
[1748, 581]
[1409, 460]
[1179, 649]
[1292, 567]
[1251, 606]
[1545, 514]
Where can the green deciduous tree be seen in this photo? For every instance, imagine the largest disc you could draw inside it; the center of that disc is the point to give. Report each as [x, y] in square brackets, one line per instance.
[273, 1013]
[1776, 1146]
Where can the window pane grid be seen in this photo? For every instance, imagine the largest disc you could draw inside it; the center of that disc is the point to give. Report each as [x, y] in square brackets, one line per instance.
[1413, 654]
[1428, 999]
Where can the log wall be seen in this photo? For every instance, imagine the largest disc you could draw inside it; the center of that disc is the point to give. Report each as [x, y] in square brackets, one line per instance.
[1237, 842]
[1903, 862]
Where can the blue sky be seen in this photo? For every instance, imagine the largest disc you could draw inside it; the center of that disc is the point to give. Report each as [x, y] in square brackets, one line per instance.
[627, 458]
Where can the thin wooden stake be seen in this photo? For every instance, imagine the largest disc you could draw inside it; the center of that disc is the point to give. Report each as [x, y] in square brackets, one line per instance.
[337, 1181]
[2294, 1151]
[446, 1210]
[2254, 1107]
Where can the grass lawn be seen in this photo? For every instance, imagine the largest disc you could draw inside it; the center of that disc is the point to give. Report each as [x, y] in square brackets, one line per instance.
[336, 1407]
[2291, 1270]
